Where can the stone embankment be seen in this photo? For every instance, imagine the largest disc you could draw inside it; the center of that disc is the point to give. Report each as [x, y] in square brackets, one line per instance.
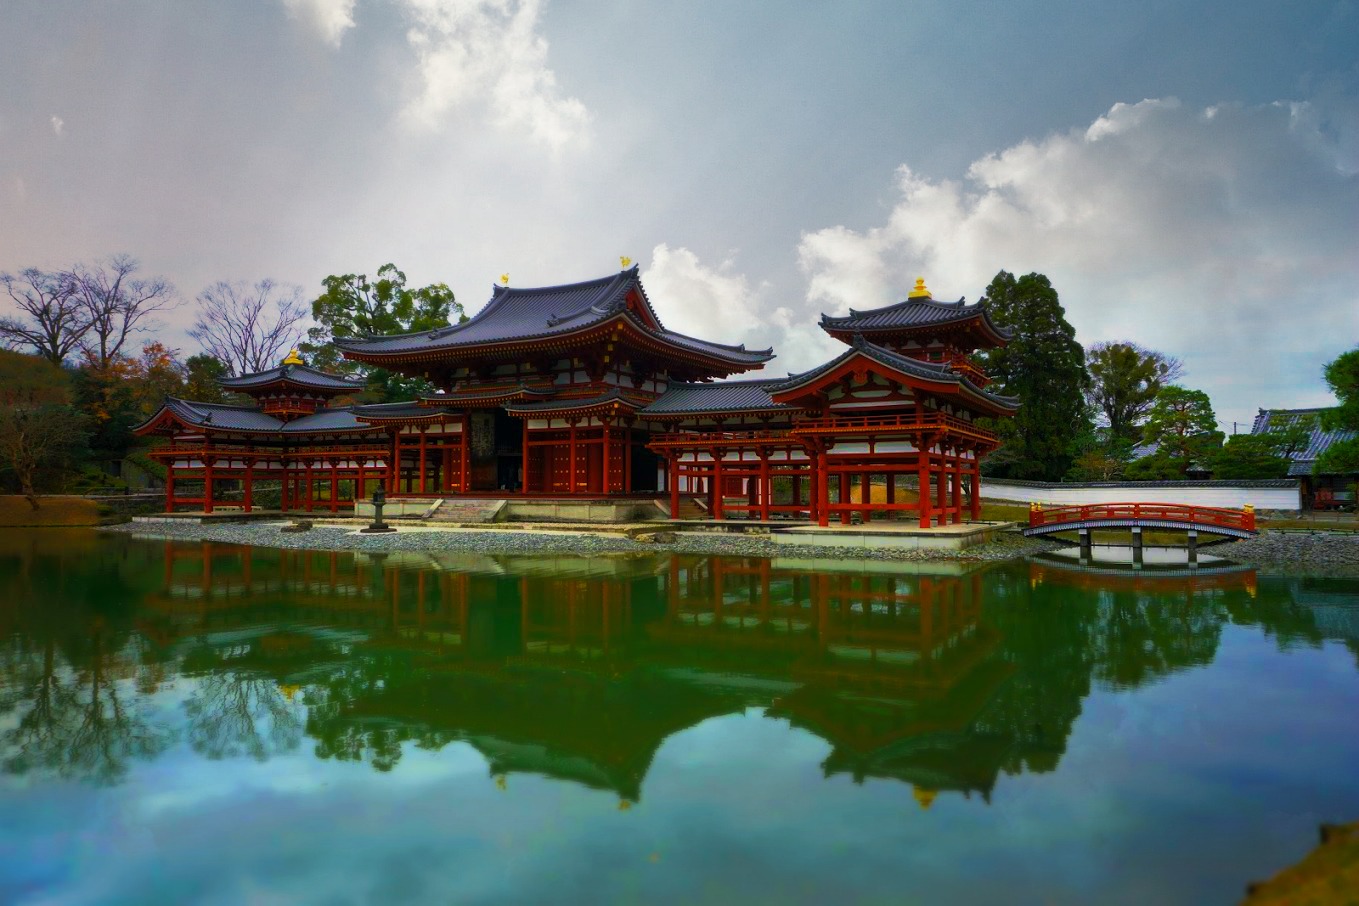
[1294, 551]
[529, 541]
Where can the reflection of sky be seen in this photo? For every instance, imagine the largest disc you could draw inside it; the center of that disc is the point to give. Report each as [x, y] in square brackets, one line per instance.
[1175, 792]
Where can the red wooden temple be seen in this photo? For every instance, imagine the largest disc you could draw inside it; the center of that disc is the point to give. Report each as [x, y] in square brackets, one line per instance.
[578, 391]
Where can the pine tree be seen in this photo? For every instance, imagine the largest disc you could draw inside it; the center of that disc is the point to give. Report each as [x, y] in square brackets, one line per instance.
[1044, 366]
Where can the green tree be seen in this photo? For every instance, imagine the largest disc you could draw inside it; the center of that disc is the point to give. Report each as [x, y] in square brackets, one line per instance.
[1044, 367]
[1124, 381]
[1182, 425]
[1342, 376]
[1250, 456]
[202, 373]
[354, 306]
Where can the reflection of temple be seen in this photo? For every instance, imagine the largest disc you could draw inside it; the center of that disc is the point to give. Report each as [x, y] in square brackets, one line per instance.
[583, 673]
[581, 669]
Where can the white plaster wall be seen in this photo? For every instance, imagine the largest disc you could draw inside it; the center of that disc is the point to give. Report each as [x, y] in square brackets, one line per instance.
[1217, 494]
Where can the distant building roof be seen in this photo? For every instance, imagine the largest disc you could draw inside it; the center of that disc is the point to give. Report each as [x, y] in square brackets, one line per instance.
[1318, 443]
[515, 314]
[302, 375]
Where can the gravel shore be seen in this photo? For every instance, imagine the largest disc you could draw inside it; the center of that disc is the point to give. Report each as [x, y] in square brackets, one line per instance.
[1313, 553]
[583, 541]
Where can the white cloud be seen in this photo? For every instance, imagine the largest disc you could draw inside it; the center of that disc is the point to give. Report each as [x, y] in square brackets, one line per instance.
[720, 304]
[330, 18]
[58, 124]
[488, 54]
[1225, 236]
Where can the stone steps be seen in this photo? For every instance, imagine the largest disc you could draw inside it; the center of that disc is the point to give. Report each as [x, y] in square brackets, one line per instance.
[466, 511]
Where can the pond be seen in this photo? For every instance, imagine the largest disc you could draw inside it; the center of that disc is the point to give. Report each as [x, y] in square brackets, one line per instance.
[198, 723]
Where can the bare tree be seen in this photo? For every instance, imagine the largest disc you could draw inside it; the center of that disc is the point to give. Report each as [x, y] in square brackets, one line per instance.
[118, 304]
[53, 319]
[249, 327]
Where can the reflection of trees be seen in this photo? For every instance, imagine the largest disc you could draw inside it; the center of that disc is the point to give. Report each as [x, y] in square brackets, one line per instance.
[1137, 638]
[232, 713]
[80, 722]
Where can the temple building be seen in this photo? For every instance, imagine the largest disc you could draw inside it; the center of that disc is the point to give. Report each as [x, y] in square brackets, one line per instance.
[579, 392]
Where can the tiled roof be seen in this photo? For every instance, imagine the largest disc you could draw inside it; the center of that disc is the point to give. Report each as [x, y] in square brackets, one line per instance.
[404, 410]
[1318, 443]
[561, 405]
[930, 371]
[523, 314]
[222, 417]
[724, 396]
[476, 395]
[296, 374]
[326, 420]
[909, 314]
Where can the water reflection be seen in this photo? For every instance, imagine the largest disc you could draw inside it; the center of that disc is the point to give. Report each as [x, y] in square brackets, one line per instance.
[579, 669]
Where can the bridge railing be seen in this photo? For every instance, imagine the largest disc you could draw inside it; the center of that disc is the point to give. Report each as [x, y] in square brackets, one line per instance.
[1207, 516]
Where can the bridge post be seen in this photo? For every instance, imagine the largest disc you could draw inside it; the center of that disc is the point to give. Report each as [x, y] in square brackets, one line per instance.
[1137, 547]
[1193, 548]
[1085, 544]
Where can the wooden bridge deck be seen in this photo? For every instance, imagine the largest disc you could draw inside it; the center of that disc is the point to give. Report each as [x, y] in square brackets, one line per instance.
[1171, 516]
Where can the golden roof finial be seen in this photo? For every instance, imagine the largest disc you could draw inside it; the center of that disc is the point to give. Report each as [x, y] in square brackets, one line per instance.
[924, 797]
[505, 279]
[625, 261]
[920, 291]
[293, 358]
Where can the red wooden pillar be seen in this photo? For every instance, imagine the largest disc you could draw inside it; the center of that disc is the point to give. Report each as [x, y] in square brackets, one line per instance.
[976, 486]
[359, 482]
[766, 486]
[394, 465]
[334, 485]
[672, 479]
[524, 485]
[207, 477]
[941, 489]
[822, 488]
[307, 479]
[717, 484]
[170, 486]
[249, 482]
[891, 488]
[797, 487]
[923, 476]
[605, 484]
[465, 479]
[571, 458]
[424, 461]
[957, 487]
[866, 495]
[627, 460]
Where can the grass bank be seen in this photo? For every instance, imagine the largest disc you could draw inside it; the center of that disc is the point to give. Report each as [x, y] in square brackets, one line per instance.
[52, 512]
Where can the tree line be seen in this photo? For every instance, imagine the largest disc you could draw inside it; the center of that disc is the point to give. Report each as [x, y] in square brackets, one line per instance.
[81, 364]
[1117, 410]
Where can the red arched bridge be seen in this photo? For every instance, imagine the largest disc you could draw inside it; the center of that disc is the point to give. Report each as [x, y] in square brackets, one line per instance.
[1211, 520]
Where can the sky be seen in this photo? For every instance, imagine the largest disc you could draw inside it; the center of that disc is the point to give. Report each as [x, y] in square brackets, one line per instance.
[1186, 173]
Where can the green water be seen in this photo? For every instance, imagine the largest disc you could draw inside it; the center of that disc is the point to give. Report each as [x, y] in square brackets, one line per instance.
[208, 724]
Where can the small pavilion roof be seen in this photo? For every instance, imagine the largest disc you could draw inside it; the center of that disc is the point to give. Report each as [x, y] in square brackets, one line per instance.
[249, 419]
[725, 396]
[302, 375]
[934, 372]
[913, 314]
[515, 314]
[215, 416]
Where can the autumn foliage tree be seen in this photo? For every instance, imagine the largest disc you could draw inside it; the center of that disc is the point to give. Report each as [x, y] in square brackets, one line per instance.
[40, 433]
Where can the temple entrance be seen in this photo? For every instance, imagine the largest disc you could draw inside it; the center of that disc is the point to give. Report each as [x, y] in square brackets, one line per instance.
[497, 452]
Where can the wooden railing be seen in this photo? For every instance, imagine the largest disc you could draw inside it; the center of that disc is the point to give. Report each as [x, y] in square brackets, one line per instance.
[1208, 516]
[930, 421]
